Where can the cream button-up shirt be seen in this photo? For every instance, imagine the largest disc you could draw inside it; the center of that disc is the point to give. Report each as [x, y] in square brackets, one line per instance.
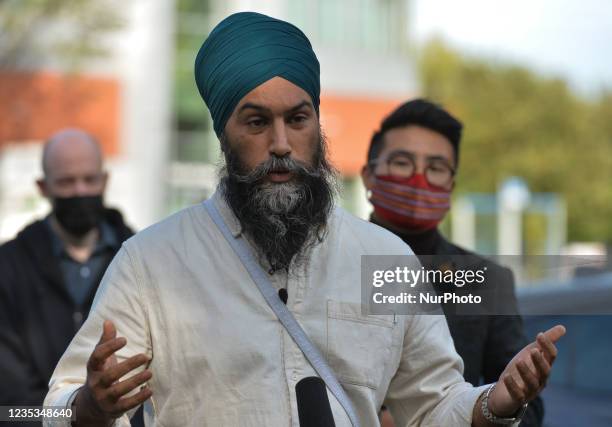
[219, 357]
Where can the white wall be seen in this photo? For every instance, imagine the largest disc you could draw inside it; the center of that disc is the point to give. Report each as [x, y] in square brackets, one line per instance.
[20, 202]
[144, 63]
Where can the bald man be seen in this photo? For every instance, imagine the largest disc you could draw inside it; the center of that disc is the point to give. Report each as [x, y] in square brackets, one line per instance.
[194, 314]
[50, 272]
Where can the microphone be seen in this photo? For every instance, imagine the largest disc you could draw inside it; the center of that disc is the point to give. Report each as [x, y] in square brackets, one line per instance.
[313, 403]
[283, 295]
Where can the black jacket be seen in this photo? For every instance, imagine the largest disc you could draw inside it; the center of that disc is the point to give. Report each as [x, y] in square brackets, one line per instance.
[486, 343]
[38, 318]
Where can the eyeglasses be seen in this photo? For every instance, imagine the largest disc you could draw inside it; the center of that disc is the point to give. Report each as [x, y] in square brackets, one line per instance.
[401, 164]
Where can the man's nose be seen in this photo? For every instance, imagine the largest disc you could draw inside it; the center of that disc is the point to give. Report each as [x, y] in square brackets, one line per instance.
[279, 144]
[81, 188]
[420, 166]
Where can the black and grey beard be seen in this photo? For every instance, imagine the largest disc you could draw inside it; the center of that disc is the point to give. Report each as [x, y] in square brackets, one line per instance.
[282, 219]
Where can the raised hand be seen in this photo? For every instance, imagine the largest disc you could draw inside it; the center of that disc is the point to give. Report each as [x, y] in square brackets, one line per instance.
[526, 374]
[103, 397]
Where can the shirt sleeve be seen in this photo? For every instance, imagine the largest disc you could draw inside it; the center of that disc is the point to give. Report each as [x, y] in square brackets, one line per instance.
[428, 388]
[119, 299]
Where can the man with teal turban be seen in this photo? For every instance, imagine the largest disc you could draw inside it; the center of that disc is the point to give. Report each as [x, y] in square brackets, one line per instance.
[184, 326]
[246, 50]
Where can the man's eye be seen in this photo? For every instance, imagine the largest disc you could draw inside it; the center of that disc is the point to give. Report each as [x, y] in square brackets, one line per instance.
[256, 123]
[438, 168]
[300, 118]
[92, 179]
[400, 163]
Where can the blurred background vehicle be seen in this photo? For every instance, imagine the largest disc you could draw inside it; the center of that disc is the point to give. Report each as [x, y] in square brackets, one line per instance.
[579, 392]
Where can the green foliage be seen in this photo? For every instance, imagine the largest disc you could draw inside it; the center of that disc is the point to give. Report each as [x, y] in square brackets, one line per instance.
[67, 31]
[192, 28]
[518, 123]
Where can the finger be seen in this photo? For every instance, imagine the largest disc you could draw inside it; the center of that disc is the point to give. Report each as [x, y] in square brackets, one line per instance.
[115, 373]
[103, 351]
[555, 333]
[127, 403]
[514, 389]
[108, 331]
[531, 380]
[122, 388]
[547, 347]
[541, 365]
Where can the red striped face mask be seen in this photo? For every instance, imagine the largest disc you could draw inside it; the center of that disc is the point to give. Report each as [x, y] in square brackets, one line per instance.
[410, 203]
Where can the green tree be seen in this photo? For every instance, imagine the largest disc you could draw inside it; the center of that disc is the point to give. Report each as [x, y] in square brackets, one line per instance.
[193, 142]
[520, 123]
[34, 31]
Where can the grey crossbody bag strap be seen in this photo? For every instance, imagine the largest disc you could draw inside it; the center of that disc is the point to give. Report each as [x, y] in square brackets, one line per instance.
[294, 329]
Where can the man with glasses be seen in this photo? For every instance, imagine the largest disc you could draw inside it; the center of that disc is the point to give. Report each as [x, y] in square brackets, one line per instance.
[410, 175]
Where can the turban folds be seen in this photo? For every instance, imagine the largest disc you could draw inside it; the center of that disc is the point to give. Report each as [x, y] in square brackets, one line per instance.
[244, 51]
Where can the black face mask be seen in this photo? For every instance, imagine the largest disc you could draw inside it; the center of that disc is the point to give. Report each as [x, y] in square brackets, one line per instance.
[78, 215]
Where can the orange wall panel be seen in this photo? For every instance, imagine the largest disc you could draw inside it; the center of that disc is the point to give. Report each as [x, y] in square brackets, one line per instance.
[349, 123]
[33, 106]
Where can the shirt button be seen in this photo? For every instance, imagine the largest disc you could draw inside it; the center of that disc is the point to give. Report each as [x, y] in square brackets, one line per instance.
[77, 317]
[85, 272]
[294, 377]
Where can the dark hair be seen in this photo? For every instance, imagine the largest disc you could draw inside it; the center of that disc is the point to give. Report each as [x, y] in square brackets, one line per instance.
[420, 112]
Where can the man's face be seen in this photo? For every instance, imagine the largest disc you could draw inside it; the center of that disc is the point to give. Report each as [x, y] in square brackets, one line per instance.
[414, 148]
[276, 118]
[73, 169]
[277, 179]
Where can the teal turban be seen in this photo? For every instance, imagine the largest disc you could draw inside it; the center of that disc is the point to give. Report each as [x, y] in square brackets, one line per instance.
[247, 49]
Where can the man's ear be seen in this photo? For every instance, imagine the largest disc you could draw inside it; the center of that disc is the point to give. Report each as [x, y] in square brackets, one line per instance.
[42, 187]
[367, 176]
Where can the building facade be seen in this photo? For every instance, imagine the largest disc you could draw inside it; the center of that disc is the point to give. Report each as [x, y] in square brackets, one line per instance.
[141, 102]
[366, 71]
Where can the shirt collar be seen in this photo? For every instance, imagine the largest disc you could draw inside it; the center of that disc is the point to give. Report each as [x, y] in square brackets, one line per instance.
[227, 213]
[107, 238]
[57, 247]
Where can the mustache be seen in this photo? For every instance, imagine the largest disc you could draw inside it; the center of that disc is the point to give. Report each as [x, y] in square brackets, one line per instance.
[282, 219]
[275, 164]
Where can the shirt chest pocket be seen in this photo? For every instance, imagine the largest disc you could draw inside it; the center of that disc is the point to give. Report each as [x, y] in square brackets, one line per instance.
[359, 347]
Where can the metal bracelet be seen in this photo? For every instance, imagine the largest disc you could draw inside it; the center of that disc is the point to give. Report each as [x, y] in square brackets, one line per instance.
[489, 416]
